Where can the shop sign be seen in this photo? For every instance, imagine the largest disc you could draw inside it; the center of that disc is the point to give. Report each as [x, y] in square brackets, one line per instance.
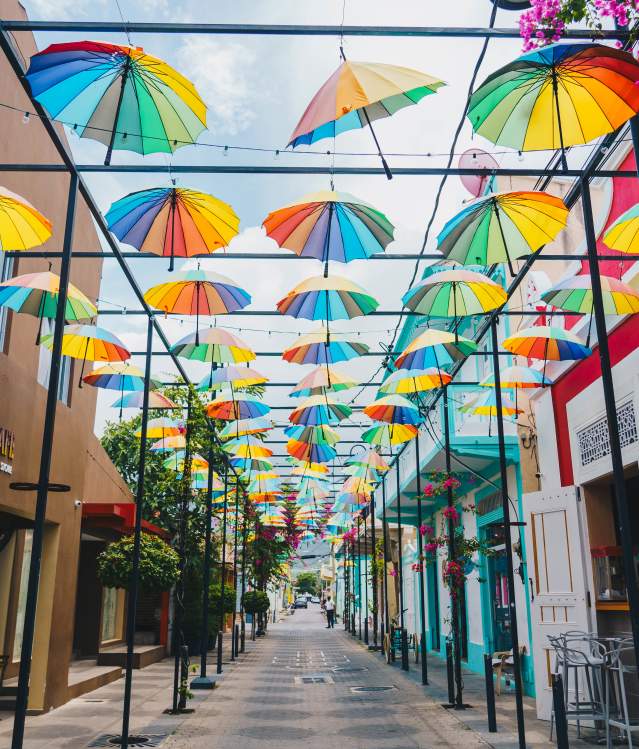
[7, 448]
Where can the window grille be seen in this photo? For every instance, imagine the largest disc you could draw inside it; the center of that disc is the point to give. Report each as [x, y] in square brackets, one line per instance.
[594, 442]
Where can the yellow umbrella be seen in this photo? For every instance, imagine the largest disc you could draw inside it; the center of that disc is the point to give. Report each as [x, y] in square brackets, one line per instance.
[21, 225]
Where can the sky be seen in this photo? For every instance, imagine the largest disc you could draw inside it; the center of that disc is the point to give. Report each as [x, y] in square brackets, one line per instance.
[256, 89]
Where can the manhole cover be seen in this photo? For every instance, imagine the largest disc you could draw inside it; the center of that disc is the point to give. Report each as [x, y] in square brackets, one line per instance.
[348, 669]
[148, 740]
[314, 679]
[358, 690]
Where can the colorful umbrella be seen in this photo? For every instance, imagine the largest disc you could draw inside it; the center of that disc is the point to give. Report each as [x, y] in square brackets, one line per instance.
[519, 378]
[557, 96]
[393, 409]
[575, 295]
[320, 434]
[319, 409]
[117, 95]
[89, 343]
[135, 399]
[173, 222]
[321, 380]
[358, 93]
[323, 347]
[311, 451]
[166, 444]
[434, 348]
[369, 459]
[177, 460]
[387, 435]
[37, 294]
[330, 226]
[237, 406]
[455, 293]
[414, 381]
[486, 405]
[623, 234]
[162, 427]
[214, 345]
[238, 377]
[21, 225]
[246, 465]
[240, 449]
[327, 298]
[501, 227]
[118, 376]
[307, 468]
[549, 344]
[245, 426]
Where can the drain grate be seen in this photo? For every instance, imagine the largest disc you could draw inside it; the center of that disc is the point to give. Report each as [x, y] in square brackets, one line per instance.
[359, 690]
[111, 740]
[348, 669]
[314, 679]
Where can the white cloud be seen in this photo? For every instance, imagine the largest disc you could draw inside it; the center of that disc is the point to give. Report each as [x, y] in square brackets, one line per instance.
[63, 10]
[221, 72]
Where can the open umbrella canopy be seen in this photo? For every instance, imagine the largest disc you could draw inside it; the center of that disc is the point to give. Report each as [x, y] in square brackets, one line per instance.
[256, 425]
[369, 459]
[358, 93]
[321, 380]
[173, 222]
[547, 343]
[330, 225]
[120, 376]
[21, 225]
[502, 227]
[246, 465]
[135, 400]
[319, 409]
[166, 444]
[623, 234]
[176, 462]
[414, 381]
[214, 345]
[327, 298]
[455, 293]
[235, 406]
[486, 405]
[118, 95]
[519, 378]
[37, 294]
[575, 295]
[323, 347]
[320, 434]
[306, 468]
[240, 449]
[162, 427]
[311, 451]
[393, 409]
[237, 377]
[434, 348]
[387, 435]
[557, 96]
[89, 343]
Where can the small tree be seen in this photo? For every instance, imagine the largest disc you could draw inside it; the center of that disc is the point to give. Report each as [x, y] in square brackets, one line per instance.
[308, 582]
[256, 603]
[159, 564]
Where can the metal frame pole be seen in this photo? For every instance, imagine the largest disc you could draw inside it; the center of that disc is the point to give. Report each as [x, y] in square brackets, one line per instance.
[400, 565]
[234, 645]
[359, 577]
[505, 502]
[352, 622]
[132, 598]
[203, 681]
[420, 562]
[374, 577]
[621, 496]
[366, 563]
[243, 588]
[220, 634]
[389, 629]
[42, 487]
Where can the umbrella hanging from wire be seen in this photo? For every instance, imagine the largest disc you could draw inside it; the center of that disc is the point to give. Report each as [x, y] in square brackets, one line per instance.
[162, 427]
[167, 444]
[393, 409]
[232, 407]
[323, 347]
[257, 425]
[21, 225]
[435, 348]
[118, 95]
[355, 95]
[238, 377]
[519, 378]
[502, 227]
[319, 409]
[575, 295]
[173, 222]
[623, 234]
[214, 345]
[370, 459]
[403, 382]
[387, 435]
[321, 380]
[312, 452]
[135, 400]
[120, 376]
[547, 343]
[327, 298]
[320, 434]
[558, 96]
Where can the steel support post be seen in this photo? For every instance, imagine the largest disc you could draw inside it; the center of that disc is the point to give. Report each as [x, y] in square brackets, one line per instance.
[420, 562]
[505, 502]
[389, 629]
[42, 488]
[220, 635]
[235, 540]
[359, 576]
[366, 558]
[400, 565]
[374, 576]
[243, 584]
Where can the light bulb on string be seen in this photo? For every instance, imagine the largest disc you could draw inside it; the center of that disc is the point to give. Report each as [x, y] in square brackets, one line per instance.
[26, 118]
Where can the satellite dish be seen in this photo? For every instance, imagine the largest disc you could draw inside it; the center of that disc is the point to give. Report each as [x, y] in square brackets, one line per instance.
[475, 158]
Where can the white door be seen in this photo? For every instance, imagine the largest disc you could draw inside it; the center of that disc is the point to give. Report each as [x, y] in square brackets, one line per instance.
[558, 578]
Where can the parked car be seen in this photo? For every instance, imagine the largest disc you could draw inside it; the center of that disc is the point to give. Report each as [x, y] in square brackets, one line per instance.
[301, 603]
[315, 599]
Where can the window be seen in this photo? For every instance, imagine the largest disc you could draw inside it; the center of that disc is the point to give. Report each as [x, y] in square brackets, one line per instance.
[22, 594]
[44, 367]
[112, 614]
[6, 271]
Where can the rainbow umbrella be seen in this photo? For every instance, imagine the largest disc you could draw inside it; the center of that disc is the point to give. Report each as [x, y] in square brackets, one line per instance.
[118, 376]
[623, 234]
[414, 381]
[242, 427]
[166, 444]
[238, 377]
[486, 405]
[37, 294]
[320, 434]
[355, 95]
[501, 227]
[308, 468]
[519, 378]
[244, 449]
[327, 298]
[89, 343]
[434, 348]
[214, 345]
[21, 225]
[330, 225]
[162, 427]
[387, 435]
[173, 222]
[311, 451]
[117, 95]
[176, 461]
[455, 293]
[246, 465]
[557, 96]
[393, 409]
[321, 380]
[134, 400]
[549, 344]
[575, 295]
[239, 406]
[323, 347]
[197, 292]
[319, 409]
[370, 459]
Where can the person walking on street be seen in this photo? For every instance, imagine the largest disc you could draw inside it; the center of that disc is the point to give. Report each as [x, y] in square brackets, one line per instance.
[330, 613]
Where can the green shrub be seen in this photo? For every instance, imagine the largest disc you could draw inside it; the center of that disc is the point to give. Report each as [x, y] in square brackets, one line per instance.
[159, 564]
[256, 602]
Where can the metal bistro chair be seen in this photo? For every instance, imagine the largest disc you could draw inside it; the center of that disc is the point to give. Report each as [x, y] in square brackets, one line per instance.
[621, 665]
[581, 658]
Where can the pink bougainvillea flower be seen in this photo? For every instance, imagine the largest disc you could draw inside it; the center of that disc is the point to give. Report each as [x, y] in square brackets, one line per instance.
[450, 513]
